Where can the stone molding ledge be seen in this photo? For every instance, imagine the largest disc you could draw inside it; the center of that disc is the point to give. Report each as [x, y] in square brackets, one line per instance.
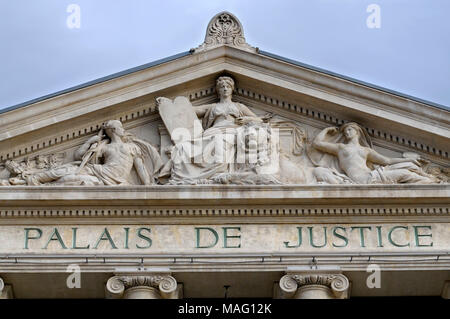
[225, 194]
[412, 261]
[231, 213]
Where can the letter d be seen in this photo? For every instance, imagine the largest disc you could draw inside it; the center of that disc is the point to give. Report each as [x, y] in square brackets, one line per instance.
[212, 231]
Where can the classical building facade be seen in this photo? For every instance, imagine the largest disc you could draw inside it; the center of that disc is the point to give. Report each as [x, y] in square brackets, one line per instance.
[224, 171]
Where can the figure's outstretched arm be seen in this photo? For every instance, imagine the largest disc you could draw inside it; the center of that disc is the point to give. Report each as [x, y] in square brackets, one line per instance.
[377, 158]
[142, 171]
[318, 143]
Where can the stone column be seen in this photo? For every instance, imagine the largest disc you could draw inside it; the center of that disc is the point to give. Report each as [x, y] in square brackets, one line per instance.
[314, 285]
[5, 290]
[142, 286]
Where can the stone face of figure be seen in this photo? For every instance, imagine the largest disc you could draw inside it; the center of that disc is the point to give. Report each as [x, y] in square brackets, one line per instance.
[350, 132]
[356, 151]
[225, 87]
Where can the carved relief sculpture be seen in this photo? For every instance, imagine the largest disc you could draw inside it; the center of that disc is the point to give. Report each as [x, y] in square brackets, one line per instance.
[101, 160]
[236, 146]
[346, 154]
[223, 143]
[17, 173]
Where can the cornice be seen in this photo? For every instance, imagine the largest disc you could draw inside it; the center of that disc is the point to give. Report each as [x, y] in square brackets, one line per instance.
[199, 195]
[412, 261]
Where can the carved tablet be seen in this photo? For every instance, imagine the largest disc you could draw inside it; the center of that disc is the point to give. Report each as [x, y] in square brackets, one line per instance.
[180, 118]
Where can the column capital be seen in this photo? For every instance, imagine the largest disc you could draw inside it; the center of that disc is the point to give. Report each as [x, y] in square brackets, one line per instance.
[336, 282]
[163, 282]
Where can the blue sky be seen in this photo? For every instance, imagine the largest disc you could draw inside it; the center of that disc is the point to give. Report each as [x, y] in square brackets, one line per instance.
[409, 53]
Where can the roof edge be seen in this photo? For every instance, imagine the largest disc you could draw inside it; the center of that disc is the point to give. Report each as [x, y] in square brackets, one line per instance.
[370, 85]
[97, 81]
[187, 53]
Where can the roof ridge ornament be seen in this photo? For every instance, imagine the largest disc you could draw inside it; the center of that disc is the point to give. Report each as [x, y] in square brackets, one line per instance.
[224, 29]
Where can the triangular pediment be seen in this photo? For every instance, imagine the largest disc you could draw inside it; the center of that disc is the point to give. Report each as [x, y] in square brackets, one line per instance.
[310, 98]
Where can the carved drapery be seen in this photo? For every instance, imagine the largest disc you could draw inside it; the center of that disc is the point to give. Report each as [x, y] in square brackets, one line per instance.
[155, 286]
[314, 286]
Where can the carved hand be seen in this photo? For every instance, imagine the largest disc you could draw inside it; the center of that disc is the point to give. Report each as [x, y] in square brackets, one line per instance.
[247, 119]
[332, 130]
[94, 139]
[241, 120]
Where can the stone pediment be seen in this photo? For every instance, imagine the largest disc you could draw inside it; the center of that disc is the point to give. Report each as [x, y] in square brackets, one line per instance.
[302, 101]
[224, 166]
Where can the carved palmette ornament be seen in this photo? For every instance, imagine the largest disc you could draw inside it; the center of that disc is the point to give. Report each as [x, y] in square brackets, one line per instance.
[338, 283]
[117, 285]
[224, 29]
